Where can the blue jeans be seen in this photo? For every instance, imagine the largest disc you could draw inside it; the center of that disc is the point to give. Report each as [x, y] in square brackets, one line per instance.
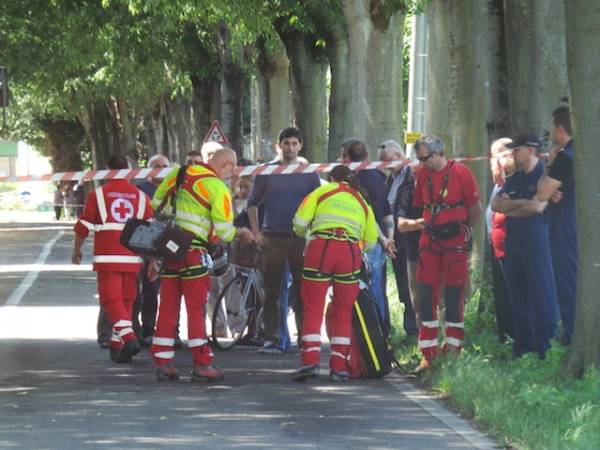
[376, 264]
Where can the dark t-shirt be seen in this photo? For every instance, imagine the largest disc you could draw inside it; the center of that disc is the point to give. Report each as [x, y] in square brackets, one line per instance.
[562, 167]
[523, 185]
[281, 196]
[373, 183]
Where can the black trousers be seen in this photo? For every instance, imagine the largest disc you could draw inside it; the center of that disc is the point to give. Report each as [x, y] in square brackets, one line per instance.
[399, 263]
[504, 316]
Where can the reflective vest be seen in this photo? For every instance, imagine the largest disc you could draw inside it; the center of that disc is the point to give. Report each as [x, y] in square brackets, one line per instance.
[337, 206]
[203, 202]
[106, 211]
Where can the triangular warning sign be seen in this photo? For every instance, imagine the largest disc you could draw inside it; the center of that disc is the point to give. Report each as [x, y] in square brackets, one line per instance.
[215, 134]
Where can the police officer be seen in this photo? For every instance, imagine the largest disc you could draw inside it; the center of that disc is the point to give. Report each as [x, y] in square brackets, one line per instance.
[106, 211]
[338, 217]
[528, 267]
[203, 208]
[558, 186]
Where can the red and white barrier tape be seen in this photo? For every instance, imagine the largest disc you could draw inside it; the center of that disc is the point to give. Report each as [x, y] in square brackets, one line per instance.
[263, 169]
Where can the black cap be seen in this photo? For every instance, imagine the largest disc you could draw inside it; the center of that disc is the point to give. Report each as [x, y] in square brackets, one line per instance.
[528, 139]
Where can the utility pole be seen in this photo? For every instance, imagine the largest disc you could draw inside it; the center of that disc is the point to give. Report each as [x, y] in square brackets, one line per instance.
[417, 78]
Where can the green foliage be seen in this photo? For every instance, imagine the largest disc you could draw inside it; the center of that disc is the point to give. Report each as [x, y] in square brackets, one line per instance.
[525, 402]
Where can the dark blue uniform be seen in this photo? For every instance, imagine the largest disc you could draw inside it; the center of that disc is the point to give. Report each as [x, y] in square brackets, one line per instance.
[563, 240]
[528, 270]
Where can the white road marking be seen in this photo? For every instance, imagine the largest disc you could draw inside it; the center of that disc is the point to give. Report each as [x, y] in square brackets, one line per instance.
[15, 268]
[17, 295]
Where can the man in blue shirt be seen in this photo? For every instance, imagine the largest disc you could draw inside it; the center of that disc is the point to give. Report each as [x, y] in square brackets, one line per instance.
[558, 186]
[280, 196]
[528, 266]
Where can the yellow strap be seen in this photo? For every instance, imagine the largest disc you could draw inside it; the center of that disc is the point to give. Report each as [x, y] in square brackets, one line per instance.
[365, 330]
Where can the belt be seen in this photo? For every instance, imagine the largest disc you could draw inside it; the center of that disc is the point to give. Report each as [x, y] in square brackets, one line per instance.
[280, 234]
[335, 233]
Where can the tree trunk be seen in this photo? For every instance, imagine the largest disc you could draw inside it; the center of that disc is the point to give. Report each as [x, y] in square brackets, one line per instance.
[466, 87]
[100, 123]
[127, 128]
[274, 102]
[63, 141]
[376, 42]
[583, 42]
[206, 101]
[232, 87]
[309, 91]
[536, 56]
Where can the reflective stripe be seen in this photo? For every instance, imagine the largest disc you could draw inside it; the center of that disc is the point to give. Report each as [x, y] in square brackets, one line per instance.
[196, 229]
[428, 343]
[431, 323]
[117, 259]
[164, 355]
[455, 324]
[89, 225]
[312, 349]
[336, 218]
[336, 340]
[453, 341]
[141, 205]
[101, 204]
[196, 342]
[125, 331]
[311, 338]
[223, 225]
[110, 226]
[115, 339]
[301, 222]
[338, 354]
[122, 323]
[193, 218]
[167, 342]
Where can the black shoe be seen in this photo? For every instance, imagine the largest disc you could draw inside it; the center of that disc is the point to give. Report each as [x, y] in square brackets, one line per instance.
[113, 353]
[130, 348]
[338, 377]
[105, 345]
[178, 343]
[166, 373]
[305, 372]
[146, 342]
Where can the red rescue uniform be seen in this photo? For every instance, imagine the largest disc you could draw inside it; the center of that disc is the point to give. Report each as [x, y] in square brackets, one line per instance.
[106, 211]
[445, 197]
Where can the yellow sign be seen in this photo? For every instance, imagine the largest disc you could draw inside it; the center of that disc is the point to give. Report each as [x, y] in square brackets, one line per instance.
[410, 137]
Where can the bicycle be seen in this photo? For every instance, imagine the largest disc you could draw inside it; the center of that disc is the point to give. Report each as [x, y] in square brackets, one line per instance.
[238, 309]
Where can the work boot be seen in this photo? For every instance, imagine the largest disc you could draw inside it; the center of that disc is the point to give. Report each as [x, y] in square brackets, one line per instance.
[203, 372]
[129, 349]
[303, 373]
[338, 377]
[166, 373]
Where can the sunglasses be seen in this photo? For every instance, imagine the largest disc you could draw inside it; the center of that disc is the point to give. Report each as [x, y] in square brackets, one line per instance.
[424, 158]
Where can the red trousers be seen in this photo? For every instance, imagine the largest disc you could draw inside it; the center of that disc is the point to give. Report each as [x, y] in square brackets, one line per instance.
[117, 292]
[441, 264]
[326, 262]
[190, 279]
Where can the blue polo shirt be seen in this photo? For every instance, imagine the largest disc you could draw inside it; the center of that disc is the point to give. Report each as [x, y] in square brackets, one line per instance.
[523, 185]
[280, 196]
[373, 182]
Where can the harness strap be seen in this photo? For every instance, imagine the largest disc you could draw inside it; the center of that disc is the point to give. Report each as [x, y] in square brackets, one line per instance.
[345, 188]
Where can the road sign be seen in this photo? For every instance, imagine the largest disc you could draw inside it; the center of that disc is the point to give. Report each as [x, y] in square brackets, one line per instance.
[410, 137]
[216, 134]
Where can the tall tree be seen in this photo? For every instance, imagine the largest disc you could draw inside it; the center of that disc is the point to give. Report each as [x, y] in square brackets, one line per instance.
[583, 42]
[536, 58]
[466, 88]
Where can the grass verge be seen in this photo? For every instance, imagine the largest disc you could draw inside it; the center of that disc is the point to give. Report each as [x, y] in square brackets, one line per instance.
[525, 402]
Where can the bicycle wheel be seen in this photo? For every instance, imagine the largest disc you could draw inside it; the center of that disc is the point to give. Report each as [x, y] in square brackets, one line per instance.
[233, 312]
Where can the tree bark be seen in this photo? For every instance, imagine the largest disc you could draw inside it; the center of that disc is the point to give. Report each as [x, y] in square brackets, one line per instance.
[376, 42]
[100, 124]
[466, 87]
[206, 106]
[309, 91]
[232, 87]
[536, 56]
[583, 42]
[274, 102]
[63, 141]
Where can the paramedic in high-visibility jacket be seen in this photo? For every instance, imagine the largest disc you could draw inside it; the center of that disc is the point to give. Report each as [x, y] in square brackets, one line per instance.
[203, 207]
[336, 218]
[106, 210]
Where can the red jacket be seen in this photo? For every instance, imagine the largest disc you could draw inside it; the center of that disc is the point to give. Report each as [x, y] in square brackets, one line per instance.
[106, 211]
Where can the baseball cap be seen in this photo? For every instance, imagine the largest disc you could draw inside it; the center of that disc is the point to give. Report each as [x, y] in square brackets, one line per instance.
[527, 139]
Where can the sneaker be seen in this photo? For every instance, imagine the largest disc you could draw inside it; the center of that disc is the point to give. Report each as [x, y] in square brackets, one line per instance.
[303, 373]
[338, 376]
[129, 349]
[166, 373]
[270, 348]
[206, 373]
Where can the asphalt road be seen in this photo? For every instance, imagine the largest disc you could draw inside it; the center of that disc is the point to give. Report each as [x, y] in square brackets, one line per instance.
[58, 390]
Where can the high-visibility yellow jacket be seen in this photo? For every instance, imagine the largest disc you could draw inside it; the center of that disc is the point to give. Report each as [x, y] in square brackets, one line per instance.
[203, 202]
[337, 206]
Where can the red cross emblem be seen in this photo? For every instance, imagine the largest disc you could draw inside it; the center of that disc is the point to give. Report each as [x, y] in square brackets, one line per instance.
[121, 210]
